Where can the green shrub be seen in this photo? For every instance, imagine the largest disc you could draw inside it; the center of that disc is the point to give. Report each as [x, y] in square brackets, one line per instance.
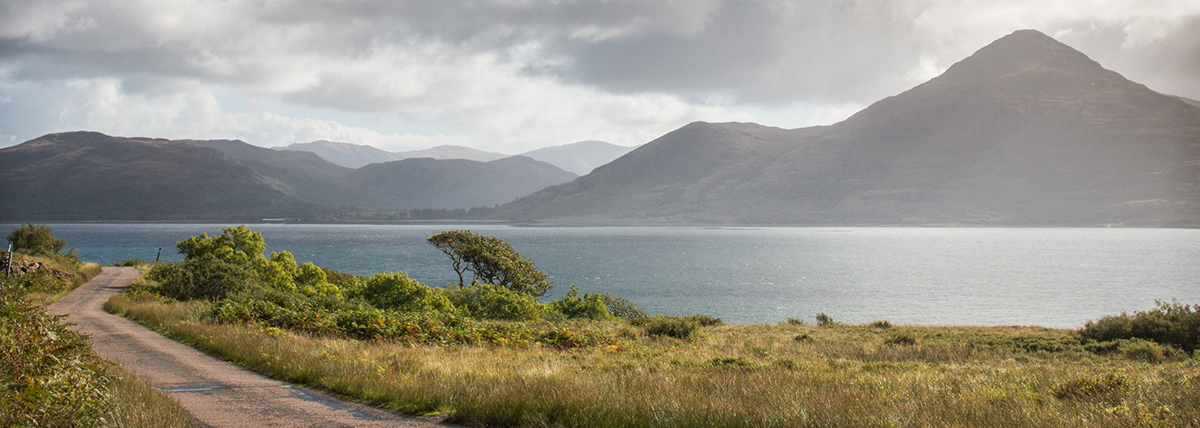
[50, 375]
[396, 291]
[1148, 351]
[1110, 387]
[1029, 343]
[881, 324]
[804, 337]
[38, 280]
[488, 301]
[621, 307]
[1171, 323]
[35, 240]
[795, 321]
[824, 320]
[665, 325]
[707, 321]
[203, 277]
[587, 307]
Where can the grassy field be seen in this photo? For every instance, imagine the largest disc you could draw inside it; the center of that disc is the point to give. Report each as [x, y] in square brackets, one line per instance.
[784, 375]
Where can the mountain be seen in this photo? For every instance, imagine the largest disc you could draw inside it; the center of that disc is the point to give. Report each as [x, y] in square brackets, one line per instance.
[356, 155]
[92, 176]
[1026, 131]
[450, 183]
[301, 175]
[451, 152]
[579, 158]
[344, 154]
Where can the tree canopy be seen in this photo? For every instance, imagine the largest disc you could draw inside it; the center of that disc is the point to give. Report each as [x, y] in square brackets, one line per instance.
[35, 240]
[491, 260]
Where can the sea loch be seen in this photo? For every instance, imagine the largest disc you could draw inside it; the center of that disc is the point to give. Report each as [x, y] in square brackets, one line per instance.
[1054, 277]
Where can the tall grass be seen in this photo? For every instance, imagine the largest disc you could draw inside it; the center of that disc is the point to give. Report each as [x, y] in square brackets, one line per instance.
[50, 376]
[723, 376]
[134, 404]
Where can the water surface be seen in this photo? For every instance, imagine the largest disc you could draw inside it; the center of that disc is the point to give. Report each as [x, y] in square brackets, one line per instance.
[1058, 277]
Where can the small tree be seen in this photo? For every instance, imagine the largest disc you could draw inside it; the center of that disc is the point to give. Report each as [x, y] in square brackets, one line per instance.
[491, 260]
[35, 240]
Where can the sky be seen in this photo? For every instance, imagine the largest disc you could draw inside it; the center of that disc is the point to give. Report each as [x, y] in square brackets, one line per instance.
[512, 76]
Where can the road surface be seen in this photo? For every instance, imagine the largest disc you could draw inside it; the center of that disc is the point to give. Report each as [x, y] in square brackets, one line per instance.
[214, 392]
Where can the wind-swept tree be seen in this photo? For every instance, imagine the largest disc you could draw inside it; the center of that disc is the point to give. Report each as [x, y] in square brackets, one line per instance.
[491, 260]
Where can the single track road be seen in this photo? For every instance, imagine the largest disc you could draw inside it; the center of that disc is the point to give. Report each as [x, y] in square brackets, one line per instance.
[216, 393]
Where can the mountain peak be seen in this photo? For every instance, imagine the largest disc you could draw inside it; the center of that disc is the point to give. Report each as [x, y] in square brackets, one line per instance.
[1022, 53]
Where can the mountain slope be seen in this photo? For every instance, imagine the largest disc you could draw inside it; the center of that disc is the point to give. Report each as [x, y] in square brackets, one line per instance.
[449, 183]
[92, 176]
[1026, 131]
[357, 155]
[451, 152]
[580, 158]
[302, 175]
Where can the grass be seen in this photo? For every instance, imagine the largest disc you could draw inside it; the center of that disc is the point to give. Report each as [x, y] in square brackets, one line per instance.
[50, 376]
[135, 404]
[759, 375]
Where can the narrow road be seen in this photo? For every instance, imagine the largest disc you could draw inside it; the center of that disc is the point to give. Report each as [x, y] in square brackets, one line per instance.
[214, 392]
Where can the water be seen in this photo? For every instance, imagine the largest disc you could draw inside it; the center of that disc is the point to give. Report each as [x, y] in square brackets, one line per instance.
[941, 276]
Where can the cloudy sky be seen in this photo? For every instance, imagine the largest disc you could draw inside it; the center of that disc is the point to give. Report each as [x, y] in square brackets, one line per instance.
[516, 75]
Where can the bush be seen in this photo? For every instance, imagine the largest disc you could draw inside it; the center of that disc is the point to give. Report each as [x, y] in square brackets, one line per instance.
[1149, 352]
[35, 240]
[587, 307]
[488, 301]
[621, 307]
[707, 321]
[795, 321]
[204, 277]
[50, 374]
[397, 291]
[665, 325]
[1109, 388]
[1171, 323]
[824, 320]
[881, 324]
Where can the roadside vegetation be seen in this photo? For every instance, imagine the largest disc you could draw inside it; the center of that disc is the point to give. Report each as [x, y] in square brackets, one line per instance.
[489, 353]
[49, 375]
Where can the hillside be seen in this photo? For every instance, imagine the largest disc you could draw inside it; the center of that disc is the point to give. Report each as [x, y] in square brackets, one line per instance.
[357, 155]
[92, 176]
[580, 158]
[302, 175]
[1027, 131]
[449, 183]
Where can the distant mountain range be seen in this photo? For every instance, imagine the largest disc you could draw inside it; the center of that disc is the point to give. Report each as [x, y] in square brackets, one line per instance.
[1026, 131]
[92, 176]
[579, 158]
[357, 155]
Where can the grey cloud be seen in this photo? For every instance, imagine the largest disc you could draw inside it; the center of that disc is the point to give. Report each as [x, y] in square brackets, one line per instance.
[773, 52]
